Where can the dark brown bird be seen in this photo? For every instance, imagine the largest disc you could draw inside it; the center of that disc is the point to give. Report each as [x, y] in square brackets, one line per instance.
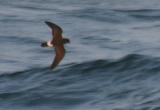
[57, 42]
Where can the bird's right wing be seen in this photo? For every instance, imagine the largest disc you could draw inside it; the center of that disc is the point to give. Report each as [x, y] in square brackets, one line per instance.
[56, 31]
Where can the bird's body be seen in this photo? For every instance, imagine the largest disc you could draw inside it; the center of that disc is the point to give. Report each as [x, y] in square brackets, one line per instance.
[57, 42]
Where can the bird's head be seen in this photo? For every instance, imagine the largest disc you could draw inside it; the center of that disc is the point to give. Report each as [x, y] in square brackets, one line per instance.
[65, 40]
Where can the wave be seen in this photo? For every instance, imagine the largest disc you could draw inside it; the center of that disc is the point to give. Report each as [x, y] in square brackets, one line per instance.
[115, 15]
[97, 14]
[66, 84]
[142, 14]
[128, 63]
[16, 39]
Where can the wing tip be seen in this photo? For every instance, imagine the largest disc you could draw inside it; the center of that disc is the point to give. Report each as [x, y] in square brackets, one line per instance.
[48, 23]
[52, 25]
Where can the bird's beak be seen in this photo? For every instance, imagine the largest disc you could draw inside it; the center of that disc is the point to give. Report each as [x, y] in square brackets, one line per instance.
[44, 44]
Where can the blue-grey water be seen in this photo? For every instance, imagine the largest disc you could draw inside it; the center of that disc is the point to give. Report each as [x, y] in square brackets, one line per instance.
[112, 62]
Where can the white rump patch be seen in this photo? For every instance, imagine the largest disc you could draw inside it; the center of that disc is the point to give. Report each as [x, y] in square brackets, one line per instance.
[49, 44]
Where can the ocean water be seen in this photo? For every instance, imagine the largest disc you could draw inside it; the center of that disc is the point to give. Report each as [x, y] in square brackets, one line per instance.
[112, 62]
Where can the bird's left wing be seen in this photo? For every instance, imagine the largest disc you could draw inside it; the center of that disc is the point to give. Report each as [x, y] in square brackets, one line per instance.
[60, 52]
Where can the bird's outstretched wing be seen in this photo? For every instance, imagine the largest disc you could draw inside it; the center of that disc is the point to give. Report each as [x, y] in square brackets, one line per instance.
[60, 52]
[57, 37]
[56, 31]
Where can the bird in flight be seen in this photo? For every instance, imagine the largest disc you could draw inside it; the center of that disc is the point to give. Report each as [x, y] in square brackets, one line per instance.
[57, 42]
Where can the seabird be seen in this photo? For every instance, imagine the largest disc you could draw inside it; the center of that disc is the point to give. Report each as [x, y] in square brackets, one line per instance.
[57, 42]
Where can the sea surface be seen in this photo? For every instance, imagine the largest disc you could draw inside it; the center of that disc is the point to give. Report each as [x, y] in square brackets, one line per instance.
[112, 62]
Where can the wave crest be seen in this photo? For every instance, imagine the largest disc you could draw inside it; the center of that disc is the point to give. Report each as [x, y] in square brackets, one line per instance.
[131, 62]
